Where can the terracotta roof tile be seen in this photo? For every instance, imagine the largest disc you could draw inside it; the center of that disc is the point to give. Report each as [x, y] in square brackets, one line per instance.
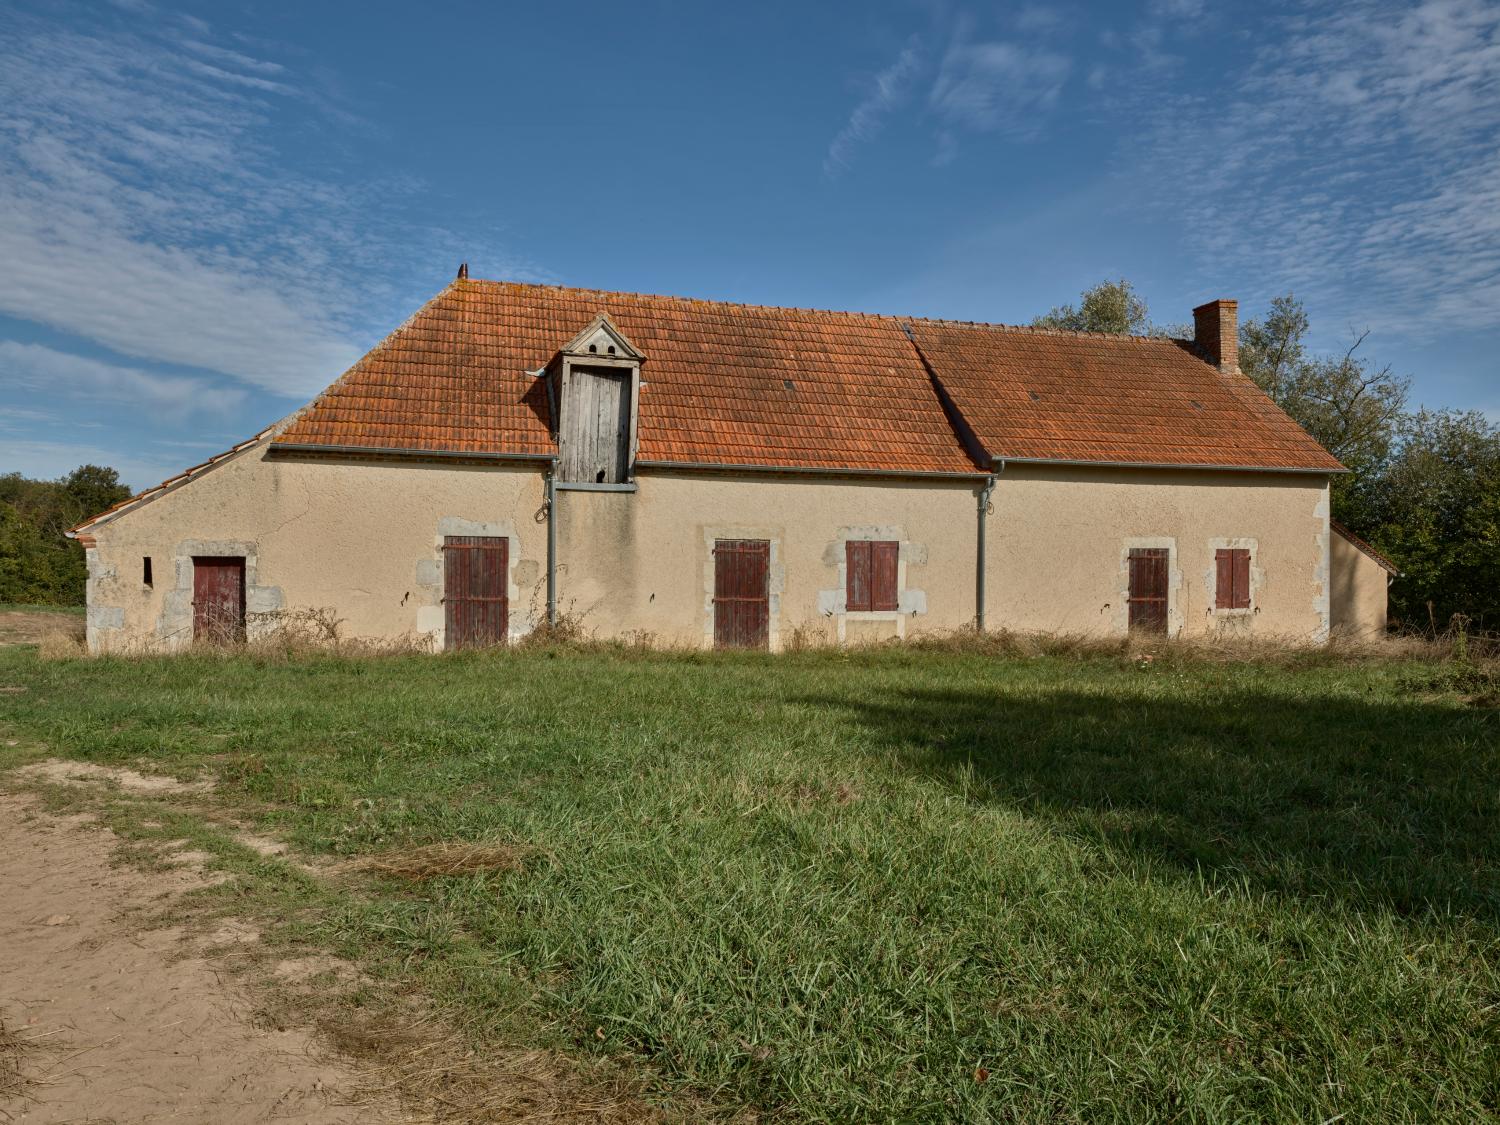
[714, 389]
[454, 379]
[1033, 394]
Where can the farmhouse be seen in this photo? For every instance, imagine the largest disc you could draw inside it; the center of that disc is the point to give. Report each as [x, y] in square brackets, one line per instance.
[715, 474]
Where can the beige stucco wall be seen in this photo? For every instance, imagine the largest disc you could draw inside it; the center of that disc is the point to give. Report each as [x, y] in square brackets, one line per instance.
[362, 538]
[1060, 536]
[641, 562]
[1360, 586]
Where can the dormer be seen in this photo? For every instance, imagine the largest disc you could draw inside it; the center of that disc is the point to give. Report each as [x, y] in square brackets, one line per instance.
[595, 394]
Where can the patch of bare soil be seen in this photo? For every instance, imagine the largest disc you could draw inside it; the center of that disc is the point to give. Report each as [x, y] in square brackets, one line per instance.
[28, 627]
[58, 771]
[100, 1022]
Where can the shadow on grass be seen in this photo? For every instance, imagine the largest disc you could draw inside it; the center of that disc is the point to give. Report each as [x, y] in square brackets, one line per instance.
[1375, 804]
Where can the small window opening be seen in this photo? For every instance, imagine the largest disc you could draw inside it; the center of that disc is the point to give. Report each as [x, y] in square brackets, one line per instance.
[594, 348]
[611, 349]
[599, 477]
[146, 571]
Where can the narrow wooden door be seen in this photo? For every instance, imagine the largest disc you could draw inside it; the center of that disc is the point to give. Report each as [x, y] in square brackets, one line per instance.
[218, 599]
[476, 605]
[1148, 589]
[742, 593]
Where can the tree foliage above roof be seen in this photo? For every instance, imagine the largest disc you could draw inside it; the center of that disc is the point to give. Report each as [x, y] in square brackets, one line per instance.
[1110, 306]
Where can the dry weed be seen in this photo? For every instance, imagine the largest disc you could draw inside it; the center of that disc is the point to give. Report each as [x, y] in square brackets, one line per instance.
[426, 1065]
[434, 861]
[60, 644]
[290, 633]
[12, 1084]
[568, 631]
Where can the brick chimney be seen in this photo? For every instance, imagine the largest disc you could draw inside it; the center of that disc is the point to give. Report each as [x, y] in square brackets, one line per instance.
[1216, 331]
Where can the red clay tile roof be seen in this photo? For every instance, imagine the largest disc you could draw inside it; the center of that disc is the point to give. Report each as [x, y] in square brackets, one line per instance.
[1036, 394]
[454, 378]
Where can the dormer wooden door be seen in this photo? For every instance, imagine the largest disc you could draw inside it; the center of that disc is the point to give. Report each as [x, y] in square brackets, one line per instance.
[595, 442]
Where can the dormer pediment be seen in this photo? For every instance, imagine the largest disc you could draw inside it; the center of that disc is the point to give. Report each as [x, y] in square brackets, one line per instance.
[602, 339]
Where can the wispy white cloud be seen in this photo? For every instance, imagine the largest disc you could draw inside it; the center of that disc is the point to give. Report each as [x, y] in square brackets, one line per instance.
[890, 88]
[1356, 162]
[1175, 9]
[978, 84]
[170, 398]
[1041, 19]
[20, 419]
[997, 85]
[145, 206]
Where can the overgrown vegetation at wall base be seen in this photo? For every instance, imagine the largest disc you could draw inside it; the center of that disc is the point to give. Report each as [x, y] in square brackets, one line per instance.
[887, 885]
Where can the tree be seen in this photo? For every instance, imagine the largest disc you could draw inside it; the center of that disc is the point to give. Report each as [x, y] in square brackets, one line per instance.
[1354, 409]
[94, 488]
[1435, 509]
[1110, 306]
[39, 565]
[1350, 406]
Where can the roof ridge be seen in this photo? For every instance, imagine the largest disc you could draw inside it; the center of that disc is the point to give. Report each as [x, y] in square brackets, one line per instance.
[945, 322]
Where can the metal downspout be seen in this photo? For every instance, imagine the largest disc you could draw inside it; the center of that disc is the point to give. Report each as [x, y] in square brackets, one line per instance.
[552, 545]
[983, 513]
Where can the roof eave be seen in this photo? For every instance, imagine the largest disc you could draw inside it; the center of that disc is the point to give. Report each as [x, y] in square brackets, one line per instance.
[808, 470]
[1001, 462]
[404, 452]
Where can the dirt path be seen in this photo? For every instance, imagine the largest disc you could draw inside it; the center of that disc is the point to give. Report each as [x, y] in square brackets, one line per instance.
[118, 1025]
[28, 627]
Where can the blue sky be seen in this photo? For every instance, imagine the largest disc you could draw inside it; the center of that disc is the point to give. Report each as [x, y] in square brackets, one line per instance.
[208, 210]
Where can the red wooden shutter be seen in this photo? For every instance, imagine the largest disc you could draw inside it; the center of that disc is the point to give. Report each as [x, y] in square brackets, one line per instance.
[742, 593]
[884, 560]
[1242, 579]
[859, 584]
[1232, 578]
[1223, 579]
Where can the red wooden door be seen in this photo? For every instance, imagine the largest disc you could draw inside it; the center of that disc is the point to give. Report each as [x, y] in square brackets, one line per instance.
[1148, 589]
[218, 599]
[475, 579]
[742, 593]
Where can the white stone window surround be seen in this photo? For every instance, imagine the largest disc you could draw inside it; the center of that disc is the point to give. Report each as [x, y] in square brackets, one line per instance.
[1211, 575]
[833, 603]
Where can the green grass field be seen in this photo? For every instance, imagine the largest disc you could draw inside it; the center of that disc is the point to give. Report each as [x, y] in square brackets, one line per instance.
[889, 885]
